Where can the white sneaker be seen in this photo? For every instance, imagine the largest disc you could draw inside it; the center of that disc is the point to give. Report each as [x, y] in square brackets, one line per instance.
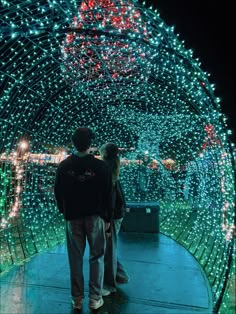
[77, 303]
[105, 292]
[95, 304]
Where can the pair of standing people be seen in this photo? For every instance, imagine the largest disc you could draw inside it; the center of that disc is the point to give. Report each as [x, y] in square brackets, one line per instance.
[85, 191]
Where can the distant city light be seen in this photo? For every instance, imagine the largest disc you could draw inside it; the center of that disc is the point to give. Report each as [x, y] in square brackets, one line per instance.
[23, 145]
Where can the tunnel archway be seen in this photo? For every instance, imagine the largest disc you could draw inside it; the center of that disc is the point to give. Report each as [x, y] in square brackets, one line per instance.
[116, 67]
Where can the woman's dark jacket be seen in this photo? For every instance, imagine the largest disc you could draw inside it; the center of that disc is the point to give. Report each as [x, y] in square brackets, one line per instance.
[118, 201]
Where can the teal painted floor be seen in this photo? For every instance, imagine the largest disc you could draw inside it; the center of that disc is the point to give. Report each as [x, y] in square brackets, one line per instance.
[165, 279]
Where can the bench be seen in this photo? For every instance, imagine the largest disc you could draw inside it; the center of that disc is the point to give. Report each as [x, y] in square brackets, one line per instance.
[141, 217]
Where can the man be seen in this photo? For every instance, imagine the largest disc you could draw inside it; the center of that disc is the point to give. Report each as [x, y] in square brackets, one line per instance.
[83, 189]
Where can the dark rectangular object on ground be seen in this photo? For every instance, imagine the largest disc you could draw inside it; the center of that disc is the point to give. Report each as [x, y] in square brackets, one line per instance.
[141, 217]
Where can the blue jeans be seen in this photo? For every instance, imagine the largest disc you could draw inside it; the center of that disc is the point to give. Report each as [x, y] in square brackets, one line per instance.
[91, 228]
[113, 267]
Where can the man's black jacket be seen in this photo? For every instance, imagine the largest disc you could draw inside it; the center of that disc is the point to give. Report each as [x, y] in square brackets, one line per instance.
[83, 186]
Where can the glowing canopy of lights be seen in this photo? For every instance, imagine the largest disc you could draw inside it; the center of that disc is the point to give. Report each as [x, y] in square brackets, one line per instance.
[115, 66]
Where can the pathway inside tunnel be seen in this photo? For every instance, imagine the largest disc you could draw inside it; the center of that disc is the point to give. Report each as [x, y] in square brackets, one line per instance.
[165, 279]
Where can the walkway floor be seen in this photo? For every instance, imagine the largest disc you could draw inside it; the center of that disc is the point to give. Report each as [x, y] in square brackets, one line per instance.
[165, 279]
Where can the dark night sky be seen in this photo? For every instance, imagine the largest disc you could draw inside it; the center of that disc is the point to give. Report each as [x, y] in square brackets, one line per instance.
[208, 29]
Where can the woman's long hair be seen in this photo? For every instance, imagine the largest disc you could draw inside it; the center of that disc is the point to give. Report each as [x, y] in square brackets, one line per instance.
[110, 153]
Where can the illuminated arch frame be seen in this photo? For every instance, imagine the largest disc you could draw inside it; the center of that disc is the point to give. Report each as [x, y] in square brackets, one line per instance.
[171, 97]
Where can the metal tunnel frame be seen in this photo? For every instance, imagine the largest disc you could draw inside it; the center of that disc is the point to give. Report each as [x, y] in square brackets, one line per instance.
[116, 67]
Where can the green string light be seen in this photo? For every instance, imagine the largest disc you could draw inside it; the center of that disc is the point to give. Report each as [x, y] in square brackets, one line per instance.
[116, 67]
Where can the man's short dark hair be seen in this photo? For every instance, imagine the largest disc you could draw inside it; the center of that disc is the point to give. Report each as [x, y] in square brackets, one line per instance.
[82, 138]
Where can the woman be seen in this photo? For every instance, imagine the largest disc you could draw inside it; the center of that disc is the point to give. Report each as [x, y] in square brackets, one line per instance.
[114, 270]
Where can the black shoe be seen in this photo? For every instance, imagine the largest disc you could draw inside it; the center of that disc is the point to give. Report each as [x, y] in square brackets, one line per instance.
[122, 279]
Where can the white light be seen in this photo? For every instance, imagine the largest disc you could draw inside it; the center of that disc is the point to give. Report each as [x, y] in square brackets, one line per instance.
[23, 145]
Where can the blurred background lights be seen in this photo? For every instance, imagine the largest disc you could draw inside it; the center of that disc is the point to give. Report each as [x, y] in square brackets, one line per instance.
[23, 145]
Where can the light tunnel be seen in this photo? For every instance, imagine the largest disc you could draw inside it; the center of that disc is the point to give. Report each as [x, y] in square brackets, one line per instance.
[115, 66]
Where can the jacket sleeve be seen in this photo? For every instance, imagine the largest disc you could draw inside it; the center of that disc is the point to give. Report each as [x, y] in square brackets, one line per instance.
[107, 197]
[120, 205]
[58, 191]
[122, 193]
